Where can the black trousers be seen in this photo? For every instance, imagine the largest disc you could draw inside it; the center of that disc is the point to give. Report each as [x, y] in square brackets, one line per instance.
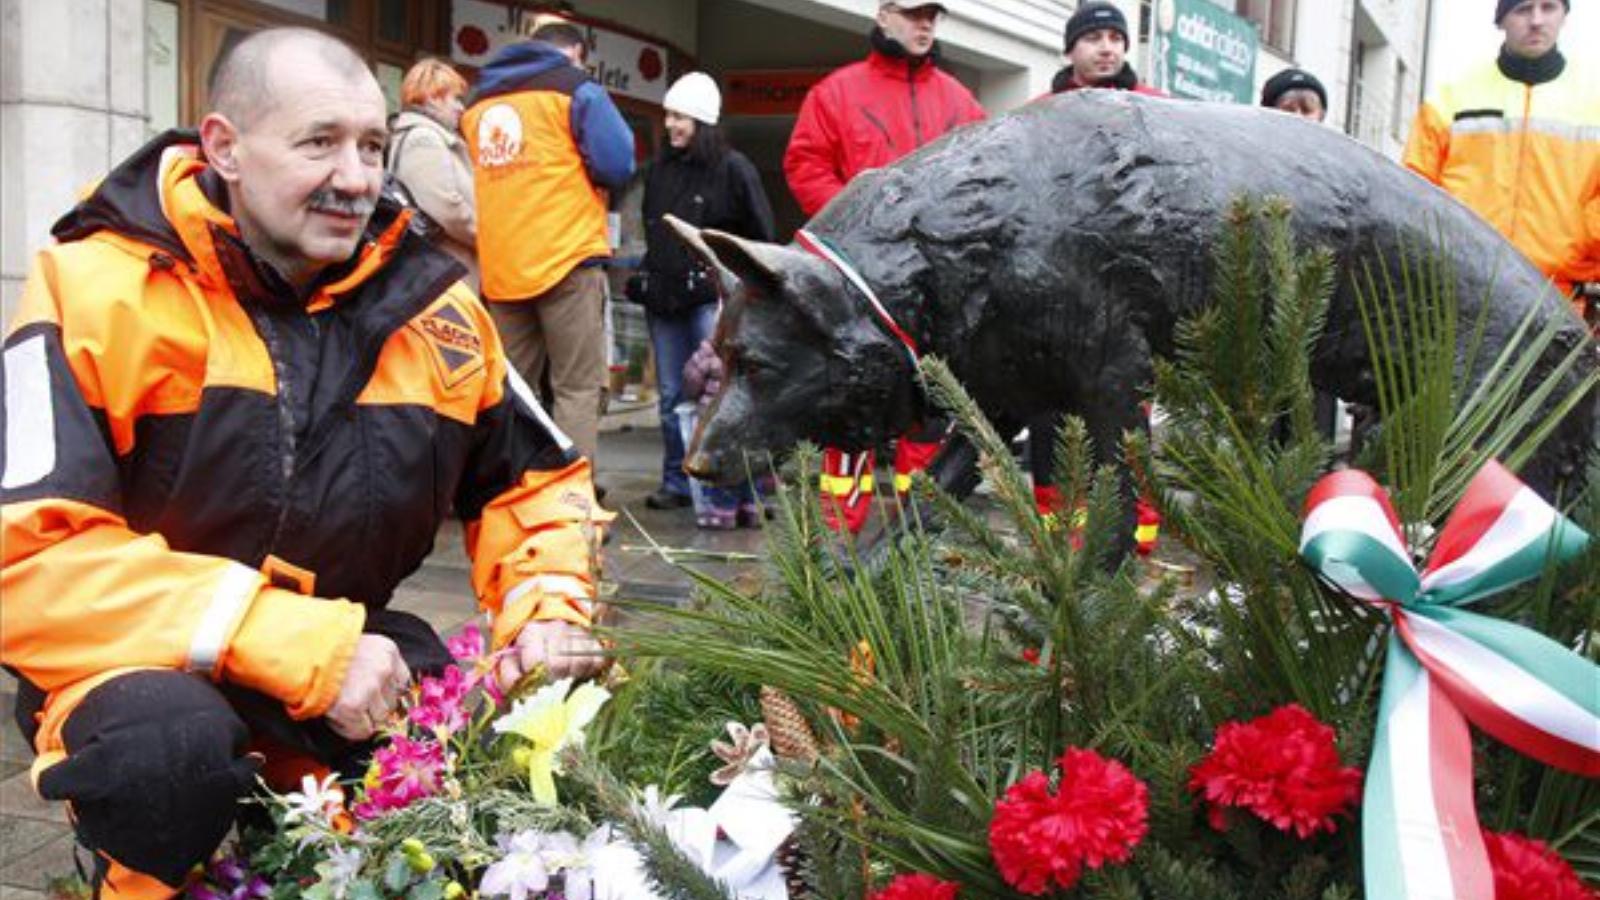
[156, 762]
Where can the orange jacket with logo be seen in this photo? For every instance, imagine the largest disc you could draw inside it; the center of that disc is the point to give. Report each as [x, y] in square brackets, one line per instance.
[545, 140]
[1526, 158]
[204, 471]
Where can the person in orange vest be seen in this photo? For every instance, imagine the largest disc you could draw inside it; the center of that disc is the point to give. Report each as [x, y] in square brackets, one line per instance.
[241, 395]
[863, 116]
[547, 143]
[1517, 139]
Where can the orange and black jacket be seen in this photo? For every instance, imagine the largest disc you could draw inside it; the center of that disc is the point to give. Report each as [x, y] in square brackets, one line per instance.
[546, 141]
[207, 471]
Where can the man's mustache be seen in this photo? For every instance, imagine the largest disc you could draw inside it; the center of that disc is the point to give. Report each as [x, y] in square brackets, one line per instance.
[328, 200]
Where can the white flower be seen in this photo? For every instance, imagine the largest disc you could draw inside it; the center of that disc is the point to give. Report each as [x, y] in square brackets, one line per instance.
[312, 802]
[340, 869]
[613, 870]
[654, 808]
[521, 871]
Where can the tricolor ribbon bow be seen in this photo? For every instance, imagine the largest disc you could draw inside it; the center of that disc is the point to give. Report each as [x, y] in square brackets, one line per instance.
[1446, 667]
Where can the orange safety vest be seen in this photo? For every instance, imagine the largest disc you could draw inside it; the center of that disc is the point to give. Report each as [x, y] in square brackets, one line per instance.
[539, 216]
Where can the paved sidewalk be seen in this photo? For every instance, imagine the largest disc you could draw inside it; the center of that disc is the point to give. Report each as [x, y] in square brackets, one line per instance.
[35, 840]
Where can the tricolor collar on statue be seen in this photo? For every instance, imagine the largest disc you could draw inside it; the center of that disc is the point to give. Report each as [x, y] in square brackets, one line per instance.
[833, 256]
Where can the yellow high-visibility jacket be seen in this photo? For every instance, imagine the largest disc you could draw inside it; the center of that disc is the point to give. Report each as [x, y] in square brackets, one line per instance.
[1526, 158]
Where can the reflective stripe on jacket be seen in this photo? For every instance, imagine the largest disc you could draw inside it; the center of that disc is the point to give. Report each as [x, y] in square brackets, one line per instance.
[866, 115]
[198, 460]
[1525, 158]
[545, 141]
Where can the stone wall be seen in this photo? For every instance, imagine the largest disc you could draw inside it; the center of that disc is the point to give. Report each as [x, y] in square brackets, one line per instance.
[72, 103]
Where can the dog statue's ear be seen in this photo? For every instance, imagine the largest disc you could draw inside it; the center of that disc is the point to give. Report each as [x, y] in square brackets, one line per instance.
[692, 238]
[763, 267]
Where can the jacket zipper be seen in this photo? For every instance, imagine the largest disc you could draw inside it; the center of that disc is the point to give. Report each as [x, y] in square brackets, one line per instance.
[1522, 158]
[888, 139]
[916, 118]
[287, 457]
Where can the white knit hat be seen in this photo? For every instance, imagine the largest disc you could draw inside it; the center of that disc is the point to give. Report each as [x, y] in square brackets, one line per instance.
[695, 95]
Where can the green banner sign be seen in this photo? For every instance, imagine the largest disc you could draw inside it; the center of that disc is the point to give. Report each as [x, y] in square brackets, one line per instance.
[1205, 52]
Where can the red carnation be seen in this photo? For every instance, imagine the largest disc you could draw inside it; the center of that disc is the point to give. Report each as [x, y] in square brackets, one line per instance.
[1283, 767]
[918, 887]
[1527, 869]
[1097, 815]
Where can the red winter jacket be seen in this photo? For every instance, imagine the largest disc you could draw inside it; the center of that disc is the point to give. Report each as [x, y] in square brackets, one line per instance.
[866, 115]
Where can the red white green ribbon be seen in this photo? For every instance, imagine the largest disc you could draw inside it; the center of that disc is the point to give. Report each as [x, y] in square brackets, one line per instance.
[1447, 667]
[825, 250]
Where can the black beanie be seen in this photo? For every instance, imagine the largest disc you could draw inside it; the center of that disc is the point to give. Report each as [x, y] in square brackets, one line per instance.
[1506, 6]
[1093, 17]
[1291, 80]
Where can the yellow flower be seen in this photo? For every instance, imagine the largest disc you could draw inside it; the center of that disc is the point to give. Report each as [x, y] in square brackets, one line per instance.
[551, 720]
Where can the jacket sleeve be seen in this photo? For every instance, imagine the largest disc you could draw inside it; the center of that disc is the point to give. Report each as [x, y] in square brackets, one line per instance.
[811, 162]
[604, 139]
[1428, 144]
[440, 183]
[533, 524]
[84, 593]
[755, 212]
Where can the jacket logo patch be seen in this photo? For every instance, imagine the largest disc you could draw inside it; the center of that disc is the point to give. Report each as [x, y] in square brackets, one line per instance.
[577, 501]
[457, 349]
[499, 136]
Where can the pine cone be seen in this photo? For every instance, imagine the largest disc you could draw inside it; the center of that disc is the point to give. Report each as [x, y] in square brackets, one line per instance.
[791, 861]
[791, 733]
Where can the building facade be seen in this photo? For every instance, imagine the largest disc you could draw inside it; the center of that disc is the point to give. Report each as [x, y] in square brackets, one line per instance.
[84, 82]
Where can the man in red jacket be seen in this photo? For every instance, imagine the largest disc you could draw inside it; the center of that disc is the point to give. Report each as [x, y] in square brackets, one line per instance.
[864, 116]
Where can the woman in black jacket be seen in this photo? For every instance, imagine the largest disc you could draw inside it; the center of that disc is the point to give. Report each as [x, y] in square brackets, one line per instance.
[703, 181]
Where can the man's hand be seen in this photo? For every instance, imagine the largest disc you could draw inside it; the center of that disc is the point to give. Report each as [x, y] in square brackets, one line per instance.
[564, 649]
[372, 688]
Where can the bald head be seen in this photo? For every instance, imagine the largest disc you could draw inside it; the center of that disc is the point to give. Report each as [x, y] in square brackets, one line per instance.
[246, 83]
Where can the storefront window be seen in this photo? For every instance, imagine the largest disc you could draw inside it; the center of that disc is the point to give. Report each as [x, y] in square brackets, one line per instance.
[312, 9]
[389, 78]
[1274, 17]
[394, 21]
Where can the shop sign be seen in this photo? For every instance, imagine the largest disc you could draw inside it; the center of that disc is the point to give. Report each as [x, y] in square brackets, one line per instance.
[1204, 52]
[768, 92]
[624, 65]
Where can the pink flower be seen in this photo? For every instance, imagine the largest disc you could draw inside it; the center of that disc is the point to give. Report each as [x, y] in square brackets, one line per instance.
[1282, 767]
[467, 646]
[402, 773]
[441, 702]
[472, 654]
[1098, 814]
